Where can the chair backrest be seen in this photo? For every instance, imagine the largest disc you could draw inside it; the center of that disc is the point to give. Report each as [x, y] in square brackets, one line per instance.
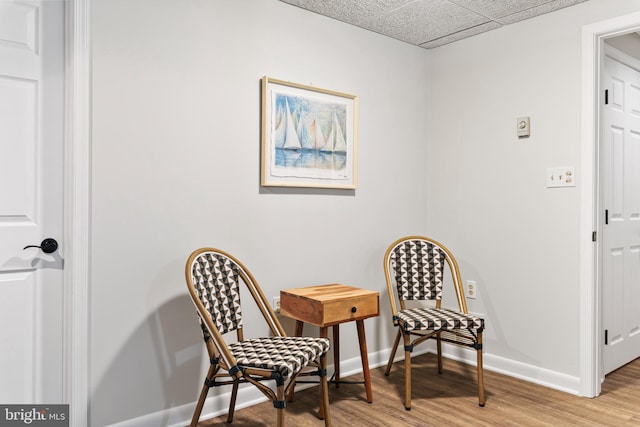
[213, 279]
[216, 280]
[416, 265]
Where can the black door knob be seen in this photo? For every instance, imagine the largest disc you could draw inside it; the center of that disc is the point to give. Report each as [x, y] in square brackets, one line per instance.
[47, 246]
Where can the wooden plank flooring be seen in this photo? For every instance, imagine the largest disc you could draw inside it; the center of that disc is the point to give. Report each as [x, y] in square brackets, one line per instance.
[450, 399]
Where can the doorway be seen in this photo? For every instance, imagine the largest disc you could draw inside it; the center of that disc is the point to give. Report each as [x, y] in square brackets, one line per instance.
[619, 199]
[76, 188]
[31, 207]
[592, 217]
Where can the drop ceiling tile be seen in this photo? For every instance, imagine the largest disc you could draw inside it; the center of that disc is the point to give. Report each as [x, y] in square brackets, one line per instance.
[425, 20]
[351, 11]
[431, 23]
[449, 38]
[497, 9]
[538, 10]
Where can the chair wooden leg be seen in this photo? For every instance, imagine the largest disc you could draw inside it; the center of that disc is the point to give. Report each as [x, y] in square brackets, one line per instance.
[393, 352]
[439, 347]
[203, 396]
[324, 334]
[407, 372]
[324, 392]
[481, 397]
[232, 404]
[280, 410]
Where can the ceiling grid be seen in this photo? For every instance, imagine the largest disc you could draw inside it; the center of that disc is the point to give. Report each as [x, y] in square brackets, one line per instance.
[431, 23]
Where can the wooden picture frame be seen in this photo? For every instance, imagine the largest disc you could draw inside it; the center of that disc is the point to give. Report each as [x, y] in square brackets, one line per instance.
[309, 136]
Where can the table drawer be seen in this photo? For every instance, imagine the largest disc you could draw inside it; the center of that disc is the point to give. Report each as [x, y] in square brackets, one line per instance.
[329, 304]
[352, 309]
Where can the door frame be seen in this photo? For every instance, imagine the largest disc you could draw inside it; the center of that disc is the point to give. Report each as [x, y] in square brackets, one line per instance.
[77, 208]
[591, 340]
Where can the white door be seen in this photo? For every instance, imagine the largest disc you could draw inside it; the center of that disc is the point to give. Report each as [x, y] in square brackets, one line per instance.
[31, 144]
[620, 194]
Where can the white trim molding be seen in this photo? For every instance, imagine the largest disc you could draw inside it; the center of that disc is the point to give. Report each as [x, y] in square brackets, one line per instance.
[77, 209]
[591, 370]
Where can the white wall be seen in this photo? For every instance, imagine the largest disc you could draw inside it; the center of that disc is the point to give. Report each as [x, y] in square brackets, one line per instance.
[176, 142]
[176, 166]
[516, 238]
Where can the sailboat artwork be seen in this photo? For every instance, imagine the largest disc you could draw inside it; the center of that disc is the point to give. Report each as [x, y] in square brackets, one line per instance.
[309, 136]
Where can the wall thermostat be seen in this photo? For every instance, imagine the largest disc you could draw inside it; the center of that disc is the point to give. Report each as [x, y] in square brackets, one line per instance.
[523, 127]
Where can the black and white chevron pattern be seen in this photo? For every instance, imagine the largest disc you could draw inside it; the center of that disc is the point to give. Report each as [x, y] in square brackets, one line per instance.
[215, 278]
[418, 267]
[434, 319]
[286, 355]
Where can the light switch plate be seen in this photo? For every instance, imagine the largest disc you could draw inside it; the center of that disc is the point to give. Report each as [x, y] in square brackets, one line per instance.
[561, 177]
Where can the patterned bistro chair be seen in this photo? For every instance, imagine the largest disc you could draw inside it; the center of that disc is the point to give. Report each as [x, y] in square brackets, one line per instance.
[213, 278]
[417, 265]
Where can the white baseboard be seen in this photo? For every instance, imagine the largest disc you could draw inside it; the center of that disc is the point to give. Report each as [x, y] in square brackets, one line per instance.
[217, 405]
[534, 374]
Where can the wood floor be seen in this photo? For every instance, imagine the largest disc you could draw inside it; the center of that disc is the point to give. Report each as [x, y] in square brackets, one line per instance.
[450, 399]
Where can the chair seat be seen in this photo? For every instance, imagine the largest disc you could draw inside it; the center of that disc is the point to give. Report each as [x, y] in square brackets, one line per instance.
[285, 355]
[438, 319]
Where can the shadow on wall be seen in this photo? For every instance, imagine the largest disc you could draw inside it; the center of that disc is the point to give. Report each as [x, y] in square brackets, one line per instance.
[161, 362]
[494, 333]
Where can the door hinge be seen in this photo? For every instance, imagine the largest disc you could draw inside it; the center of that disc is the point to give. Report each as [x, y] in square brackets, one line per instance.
[593, 236]
[606, 97]
[606, 337]
[606, 216]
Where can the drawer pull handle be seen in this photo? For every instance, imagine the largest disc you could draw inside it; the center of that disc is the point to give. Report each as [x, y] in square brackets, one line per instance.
[353, 309]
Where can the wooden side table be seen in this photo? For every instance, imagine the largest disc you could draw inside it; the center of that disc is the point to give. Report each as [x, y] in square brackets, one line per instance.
[331, 305]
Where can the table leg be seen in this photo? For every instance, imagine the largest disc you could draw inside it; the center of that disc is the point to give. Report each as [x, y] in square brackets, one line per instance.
[336, 353]
[299, 326]
[365, 359]
[298, 333]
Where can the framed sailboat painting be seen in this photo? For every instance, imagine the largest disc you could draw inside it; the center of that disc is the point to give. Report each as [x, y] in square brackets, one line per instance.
[309, 136]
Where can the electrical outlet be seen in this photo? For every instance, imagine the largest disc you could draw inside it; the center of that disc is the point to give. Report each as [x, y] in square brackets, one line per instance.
[276, 304]
[471, 289]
